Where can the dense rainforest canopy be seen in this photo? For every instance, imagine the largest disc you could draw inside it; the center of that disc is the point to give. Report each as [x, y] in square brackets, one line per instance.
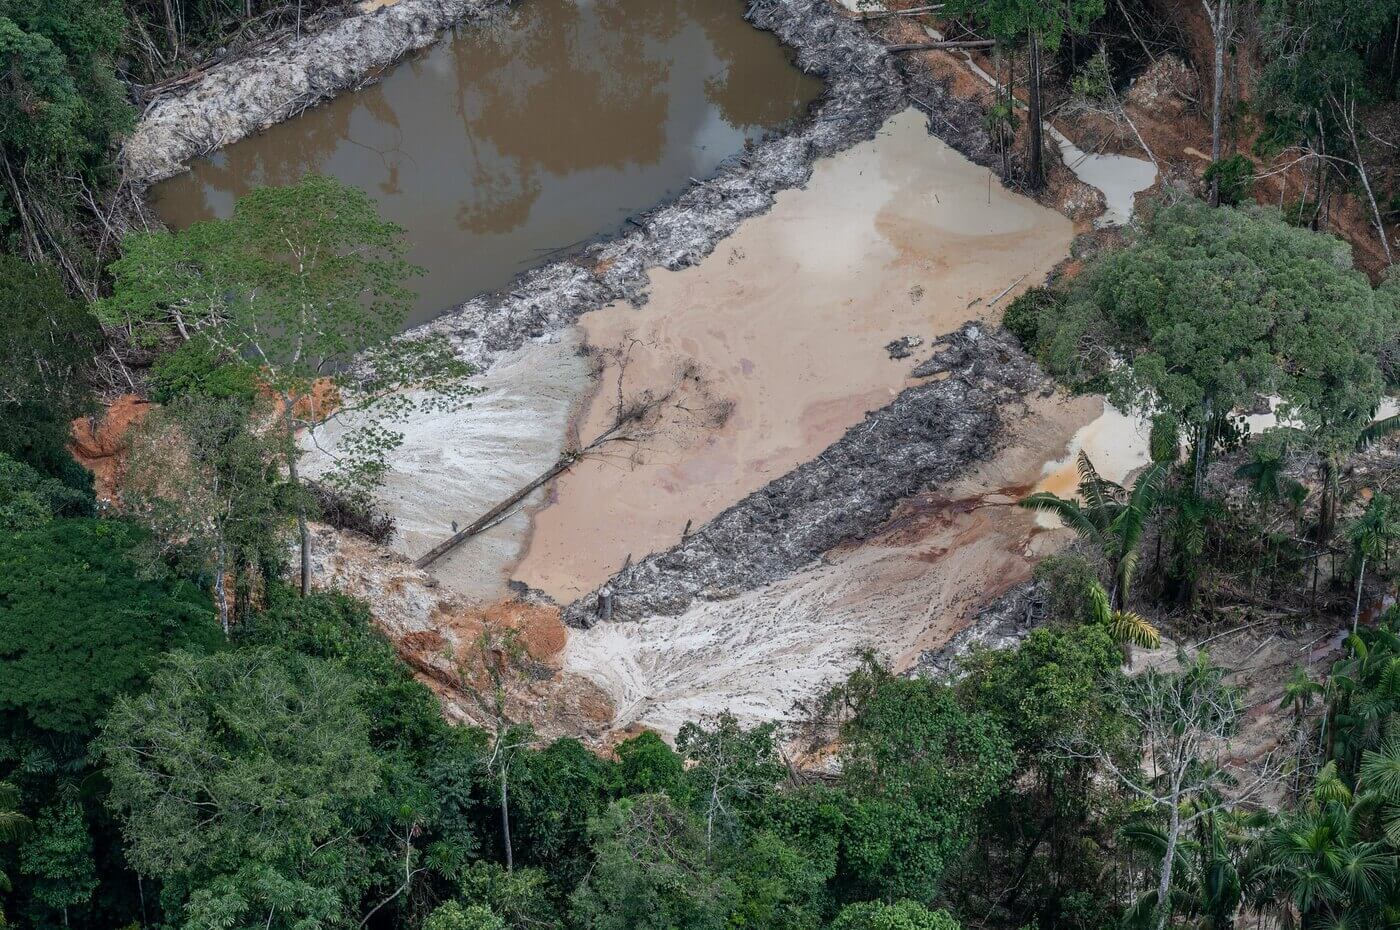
[193, 735]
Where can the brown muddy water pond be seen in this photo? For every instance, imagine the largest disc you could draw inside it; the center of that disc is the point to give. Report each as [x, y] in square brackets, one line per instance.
[508, 142]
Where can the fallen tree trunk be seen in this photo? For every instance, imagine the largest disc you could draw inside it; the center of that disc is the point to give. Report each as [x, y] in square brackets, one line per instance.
[924, 46]
[912, 11]
[487, 519]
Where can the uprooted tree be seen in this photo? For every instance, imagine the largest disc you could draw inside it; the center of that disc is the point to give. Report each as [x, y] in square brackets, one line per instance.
[636, 418]
[306, 285]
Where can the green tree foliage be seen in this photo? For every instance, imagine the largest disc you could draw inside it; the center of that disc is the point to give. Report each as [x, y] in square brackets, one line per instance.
[732, 766]
[524, 898]
[47, 344]
[453, 916]
[916, 768]
[13, 825]
[196, 369]
[652, 871]
[237, 779]
[1023, 314]
[1207, 310]
[902, 915]
[60, 112]
[309, 282]
[776, 884]
[58, 860]
[1317, 50]
[1045, 688]
[647, 765]
[1233, 178]
[29, 499]
[1041, 692]
[78, 626]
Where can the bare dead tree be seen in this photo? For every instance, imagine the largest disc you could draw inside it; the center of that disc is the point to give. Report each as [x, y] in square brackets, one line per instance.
[1346, 115]
[1185, 721]
[492, 663]
[1222, 26]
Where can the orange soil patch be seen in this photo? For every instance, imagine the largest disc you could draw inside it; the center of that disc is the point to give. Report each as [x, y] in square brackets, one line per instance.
[100, 443]
[541, 632]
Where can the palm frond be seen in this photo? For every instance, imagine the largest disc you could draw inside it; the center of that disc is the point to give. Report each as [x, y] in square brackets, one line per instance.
[1099, 607]
[1070, 512]
[1148, 488]
[1380, 769]
[1377, 431]
[13, 825]
[1329, 787]
[1098, 492]
[1125, 626]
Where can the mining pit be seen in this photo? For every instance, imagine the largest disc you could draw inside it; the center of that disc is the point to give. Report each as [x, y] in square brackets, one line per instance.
[749, 295]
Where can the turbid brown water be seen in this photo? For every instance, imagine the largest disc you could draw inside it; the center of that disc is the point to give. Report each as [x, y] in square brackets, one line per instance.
[503, 143]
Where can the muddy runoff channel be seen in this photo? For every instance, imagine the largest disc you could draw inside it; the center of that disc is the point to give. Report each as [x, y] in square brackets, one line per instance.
[815, 432]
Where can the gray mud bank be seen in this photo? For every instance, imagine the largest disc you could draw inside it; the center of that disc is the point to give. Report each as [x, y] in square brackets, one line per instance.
[930, 434]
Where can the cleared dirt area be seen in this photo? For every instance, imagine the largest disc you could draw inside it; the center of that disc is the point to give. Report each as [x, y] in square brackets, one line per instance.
[787, 322]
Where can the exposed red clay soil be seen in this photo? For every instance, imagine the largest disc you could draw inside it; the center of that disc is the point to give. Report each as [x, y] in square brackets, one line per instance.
[100, 443]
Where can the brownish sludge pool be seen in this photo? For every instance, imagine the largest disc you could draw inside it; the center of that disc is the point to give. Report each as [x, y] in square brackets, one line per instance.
[506, 142]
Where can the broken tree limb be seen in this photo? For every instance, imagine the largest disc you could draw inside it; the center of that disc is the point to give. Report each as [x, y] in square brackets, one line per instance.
[925, 46]
[912, 11]
[1007, 290]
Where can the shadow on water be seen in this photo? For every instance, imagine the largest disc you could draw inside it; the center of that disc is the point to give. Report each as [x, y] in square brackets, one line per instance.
[507, 142]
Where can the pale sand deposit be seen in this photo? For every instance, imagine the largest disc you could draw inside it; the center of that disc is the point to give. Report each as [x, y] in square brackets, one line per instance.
[456, 466]
[788, 321]
[907, 589]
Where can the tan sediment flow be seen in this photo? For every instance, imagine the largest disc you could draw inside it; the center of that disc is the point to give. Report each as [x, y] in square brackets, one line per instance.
[908, 588]
[456, 465]
[787, 320]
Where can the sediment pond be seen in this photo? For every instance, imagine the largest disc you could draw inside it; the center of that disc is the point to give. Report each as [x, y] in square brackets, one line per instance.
[505, 144]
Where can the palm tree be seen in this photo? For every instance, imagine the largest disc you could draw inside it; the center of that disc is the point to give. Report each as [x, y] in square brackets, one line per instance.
[1109, 516]
[1371, 535]
[1127, 628]
[13, 826]
[1299, 692]
[1323, 863]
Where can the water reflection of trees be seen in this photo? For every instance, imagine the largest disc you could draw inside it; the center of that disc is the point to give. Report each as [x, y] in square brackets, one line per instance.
[564, 86]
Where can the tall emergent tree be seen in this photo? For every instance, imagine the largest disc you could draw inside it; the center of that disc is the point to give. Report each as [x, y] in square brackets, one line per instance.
[307, 283]
[1206, 311]
[1043, 24]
